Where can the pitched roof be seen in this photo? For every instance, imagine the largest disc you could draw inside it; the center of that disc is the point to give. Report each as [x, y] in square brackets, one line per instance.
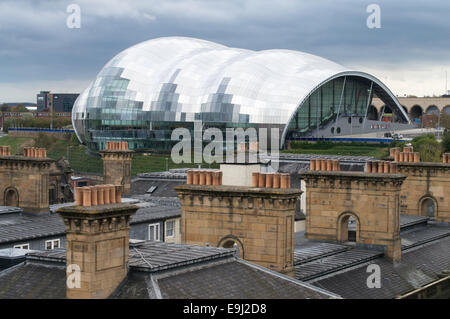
[419, 266]
[15, 226]
[30, 280]
[235, 279]
[342, 268]
[162, 270]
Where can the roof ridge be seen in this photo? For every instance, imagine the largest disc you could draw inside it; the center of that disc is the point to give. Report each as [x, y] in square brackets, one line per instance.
[290, 279]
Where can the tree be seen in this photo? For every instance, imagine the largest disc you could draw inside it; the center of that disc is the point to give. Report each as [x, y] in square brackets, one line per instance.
[4, 108]
[428, 147]
[446, 142]
[21, 108]
[445, 120]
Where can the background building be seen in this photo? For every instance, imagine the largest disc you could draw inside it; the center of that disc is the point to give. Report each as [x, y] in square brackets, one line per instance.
[146, 91]
[58, 102]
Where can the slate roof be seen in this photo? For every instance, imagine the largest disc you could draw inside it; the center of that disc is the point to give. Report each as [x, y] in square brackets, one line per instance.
[162, 270]
[235, 280]
[156, 256]
[162, 182]
[19, 227]
[164, 188]
[342, 268]
[16, 227]
[30, 280]
[419, 266]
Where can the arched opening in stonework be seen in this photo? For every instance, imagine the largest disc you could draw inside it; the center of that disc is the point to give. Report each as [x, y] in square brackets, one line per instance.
[11, 197]
[428, 207]
[432, 109]
[348, 227]
[232, 242]
[446, 110]
[416, 112]
[372, 113]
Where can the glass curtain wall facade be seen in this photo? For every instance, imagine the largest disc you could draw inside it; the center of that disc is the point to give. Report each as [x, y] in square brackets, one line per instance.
[154, 87]
[348, 97]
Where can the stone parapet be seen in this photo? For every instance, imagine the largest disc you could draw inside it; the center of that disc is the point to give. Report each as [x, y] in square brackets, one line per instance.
[426, 181]
[24, 182]
[372, 200]
[259, 221]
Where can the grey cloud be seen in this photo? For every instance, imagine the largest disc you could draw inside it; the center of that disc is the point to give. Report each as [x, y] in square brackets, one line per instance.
[36, 45]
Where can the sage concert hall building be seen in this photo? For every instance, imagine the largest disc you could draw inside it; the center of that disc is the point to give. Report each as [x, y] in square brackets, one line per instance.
[149, 89]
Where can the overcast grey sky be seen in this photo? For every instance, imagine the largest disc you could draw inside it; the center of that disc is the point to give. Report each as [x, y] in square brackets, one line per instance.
[409, 53]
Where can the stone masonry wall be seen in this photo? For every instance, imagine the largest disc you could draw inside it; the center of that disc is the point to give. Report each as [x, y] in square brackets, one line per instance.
[98, 243]
[425, 181]
[29, 177]
[117, 168]
[371, 199]
[259, 220]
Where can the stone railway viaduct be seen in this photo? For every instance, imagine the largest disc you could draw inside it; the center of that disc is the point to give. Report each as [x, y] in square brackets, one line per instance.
[415, 107]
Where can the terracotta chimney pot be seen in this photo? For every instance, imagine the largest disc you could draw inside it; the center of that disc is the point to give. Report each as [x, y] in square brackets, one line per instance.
[386, 167]
[284, 180]
[106, 198]
[255, 179]
[262, 180]
[329, 165]
[323, 165]
[276, 180]
[86, 196]
[94, 196]
[208, 175]
[189, 177]
[215, 178]
[195, 177]
[112, 194]
[269, 180]
[78, 196]
[202, 178]
[380, 167]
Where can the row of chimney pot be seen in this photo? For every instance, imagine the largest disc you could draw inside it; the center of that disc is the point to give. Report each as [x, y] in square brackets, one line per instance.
[446, 158]
[324, 165]
[204, 177]
[5, 150]
[407, 157]
[382, 167]
[115, 146]
[34, 152]
[98, 195]
[271, 180]
[252, 147]
[406, 149]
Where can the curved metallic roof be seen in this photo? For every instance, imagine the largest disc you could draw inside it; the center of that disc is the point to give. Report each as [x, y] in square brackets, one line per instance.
[178, 75]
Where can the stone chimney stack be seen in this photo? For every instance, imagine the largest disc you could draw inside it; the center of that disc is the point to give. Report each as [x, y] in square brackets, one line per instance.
[24, 179]
[117, 164]
[259, 221]
[97, 240]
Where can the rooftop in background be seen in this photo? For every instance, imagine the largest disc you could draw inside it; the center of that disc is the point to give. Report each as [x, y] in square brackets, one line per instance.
[149, 186]
[342, 268]
[161, 270]
[16, 226]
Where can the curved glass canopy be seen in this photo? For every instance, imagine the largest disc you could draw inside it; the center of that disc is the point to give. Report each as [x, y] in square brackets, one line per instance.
[148, 90]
